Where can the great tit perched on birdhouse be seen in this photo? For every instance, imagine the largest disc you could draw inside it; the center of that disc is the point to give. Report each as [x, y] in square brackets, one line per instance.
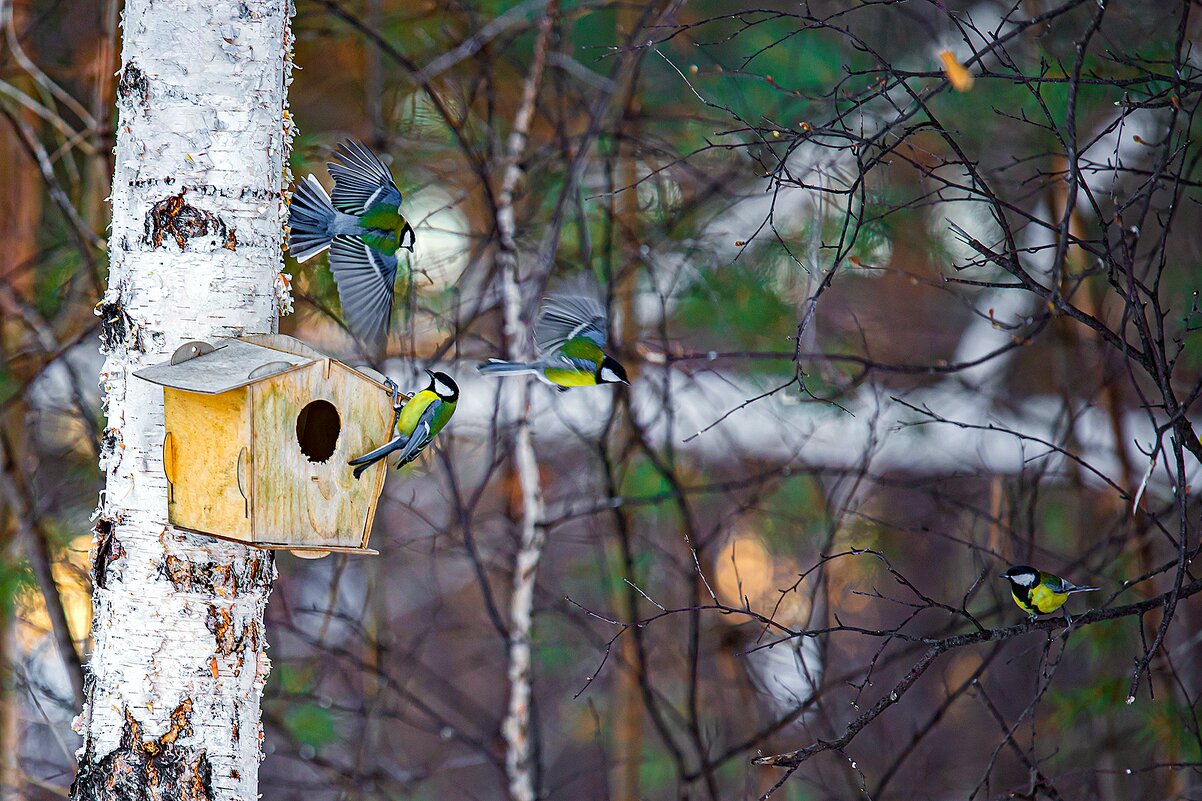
[418, 422]
[1039, 593]
[362, 226]
[570, 335]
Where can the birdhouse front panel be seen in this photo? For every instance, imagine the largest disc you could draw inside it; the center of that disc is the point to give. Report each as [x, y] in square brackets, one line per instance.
[307, 425]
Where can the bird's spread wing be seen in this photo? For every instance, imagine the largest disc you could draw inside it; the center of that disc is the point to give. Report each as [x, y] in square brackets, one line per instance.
[575, 362]
[365, 279]
[421, 436]
[564, 318]
[360, 180]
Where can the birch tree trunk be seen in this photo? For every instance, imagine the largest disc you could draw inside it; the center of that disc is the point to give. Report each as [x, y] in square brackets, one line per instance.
[179, 662]
[517, 726]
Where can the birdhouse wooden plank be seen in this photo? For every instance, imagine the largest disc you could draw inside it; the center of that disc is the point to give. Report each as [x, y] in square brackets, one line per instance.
[258, 433]
[213, 499]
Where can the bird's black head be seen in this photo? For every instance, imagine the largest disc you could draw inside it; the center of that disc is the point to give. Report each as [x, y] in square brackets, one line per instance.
[1022, 575]
[611, 372]
[443, 386]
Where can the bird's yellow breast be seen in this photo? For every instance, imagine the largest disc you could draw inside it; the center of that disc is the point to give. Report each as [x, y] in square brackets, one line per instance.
[570, 378]
[412, 411]
[1043, 600]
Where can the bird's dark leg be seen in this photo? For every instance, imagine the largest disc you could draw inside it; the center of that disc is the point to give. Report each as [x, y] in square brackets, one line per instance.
[395, 389]
[1068, 618]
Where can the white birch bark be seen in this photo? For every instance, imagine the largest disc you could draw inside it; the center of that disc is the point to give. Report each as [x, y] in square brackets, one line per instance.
[179, 662]
[519, 763]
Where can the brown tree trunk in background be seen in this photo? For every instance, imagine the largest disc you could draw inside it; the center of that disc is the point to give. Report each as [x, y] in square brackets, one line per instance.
[20, 215]
[12, 785]
[102, 67]
[20, 202]
[628, 701]
[373, 82]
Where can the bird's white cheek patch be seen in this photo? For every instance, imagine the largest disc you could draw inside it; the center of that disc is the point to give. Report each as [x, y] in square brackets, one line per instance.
[609, 375]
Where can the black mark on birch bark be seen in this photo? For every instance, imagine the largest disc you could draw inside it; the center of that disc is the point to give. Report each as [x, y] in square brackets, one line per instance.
[108, 550]
[117, 328]
[110, 441]
[173, 217]
[147, 768]
[133, 85]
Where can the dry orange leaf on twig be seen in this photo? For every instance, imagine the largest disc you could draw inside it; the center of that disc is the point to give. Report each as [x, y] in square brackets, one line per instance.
[957, 74]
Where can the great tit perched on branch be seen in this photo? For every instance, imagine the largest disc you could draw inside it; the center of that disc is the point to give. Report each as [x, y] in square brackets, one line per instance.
[1040, 593]
[417, 422]
[570, 335]
[362, 226]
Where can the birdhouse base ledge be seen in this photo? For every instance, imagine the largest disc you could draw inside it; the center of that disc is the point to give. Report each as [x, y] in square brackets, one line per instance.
[316, 552]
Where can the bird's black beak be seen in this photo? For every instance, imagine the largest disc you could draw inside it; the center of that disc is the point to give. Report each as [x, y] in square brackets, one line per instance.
[429, 373]
[1002, 575]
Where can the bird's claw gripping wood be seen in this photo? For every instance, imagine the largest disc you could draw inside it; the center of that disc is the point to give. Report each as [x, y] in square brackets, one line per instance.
[395, 389]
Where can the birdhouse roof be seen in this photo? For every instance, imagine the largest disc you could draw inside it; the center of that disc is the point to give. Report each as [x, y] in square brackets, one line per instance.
[233, 363]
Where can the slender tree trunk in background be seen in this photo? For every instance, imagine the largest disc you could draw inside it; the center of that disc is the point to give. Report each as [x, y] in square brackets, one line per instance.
[517, 726]
[373, 82]
[179, 662]
[92, 206]
[628, 698]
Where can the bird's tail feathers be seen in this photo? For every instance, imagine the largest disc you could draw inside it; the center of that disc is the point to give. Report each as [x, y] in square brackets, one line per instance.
[1074, 588]
[361, 463]
[310, 219]
[502, 367]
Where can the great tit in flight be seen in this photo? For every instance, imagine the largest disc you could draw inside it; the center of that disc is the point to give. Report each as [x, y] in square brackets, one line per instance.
[362, 226]
[418, 422]
[1039, 593]
[570, 335]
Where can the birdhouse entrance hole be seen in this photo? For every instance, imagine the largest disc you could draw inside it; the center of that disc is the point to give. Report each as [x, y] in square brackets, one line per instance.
[317, 430]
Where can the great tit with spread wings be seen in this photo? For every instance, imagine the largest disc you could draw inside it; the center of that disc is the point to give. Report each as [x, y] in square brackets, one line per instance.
[571, 335]
[418, 421]
[362, 226]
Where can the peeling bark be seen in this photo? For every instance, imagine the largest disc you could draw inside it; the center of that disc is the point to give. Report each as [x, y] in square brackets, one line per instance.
[179, 662]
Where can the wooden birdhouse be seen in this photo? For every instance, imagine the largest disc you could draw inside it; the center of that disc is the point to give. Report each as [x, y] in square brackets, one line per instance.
[258, 434]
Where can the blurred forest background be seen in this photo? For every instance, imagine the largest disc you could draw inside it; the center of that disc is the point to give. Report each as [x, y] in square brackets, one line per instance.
[908, 292]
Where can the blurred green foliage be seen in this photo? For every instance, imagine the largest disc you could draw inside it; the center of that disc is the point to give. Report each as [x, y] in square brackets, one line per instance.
[310, 724]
